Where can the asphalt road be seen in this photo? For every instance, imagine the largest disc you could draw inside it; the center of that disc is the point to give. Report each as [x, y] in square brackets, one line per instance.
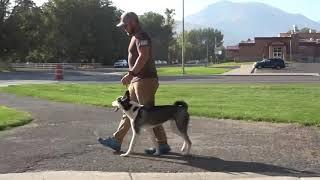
[63, 137]
[108, 76]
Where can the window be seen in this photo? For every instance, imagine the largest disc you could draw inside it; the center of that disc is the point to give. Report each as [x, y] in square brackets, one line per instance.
[277, 52]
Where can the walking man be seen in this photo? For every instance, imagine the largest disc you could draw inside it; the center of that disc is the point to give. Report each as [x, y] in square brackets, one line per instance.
[142, 79]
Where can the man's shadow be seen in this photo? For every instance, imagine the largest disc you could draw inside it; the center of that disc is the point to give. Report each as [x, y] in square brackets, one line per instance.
[213, 164]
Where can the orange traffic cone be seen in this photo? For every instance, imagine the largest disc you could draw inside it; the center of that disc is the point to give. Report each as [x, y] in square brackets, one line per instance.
[59, 72]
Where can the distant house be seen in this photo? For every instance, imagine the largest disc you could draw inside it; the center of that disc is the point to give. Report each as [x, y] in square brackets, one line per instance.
[295, 46]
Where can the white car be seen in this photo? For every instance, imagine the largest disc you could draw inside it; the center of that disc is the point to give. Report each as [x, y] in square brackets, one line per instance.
[164, 62]
[68, 66]
[159, 62]
[121, 64]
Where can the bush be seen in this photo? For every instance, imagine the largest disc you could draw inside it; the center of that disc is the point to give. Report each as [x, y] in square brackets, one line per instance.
[5, 66]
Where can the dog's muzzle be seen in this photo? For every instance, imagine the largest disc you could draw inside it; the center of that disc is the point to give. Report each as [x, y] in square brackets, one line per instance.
[115, 104]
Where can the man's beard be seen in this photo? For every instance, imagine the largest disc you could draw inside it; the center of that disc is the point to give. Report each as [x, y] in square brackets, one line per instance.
[133, 31]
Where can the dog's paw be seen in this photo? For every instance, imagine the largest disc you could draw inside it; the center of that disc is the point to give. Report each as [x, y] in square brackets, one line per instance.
[124, 155]
[186, 154]
[183, 149]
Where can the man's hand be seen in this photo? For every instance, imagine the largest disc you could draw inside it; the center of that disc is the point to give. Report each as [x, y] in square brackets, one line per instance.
[126, 80]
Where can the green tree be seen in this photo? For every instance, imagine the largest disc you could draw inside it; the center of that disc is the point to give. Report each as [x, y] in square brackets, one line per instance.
[307, 30]
[84, 30]
[197, 42]
[169, 34]
[304, 30]
[160, 30]
[4, 6]
[22, 29]
[74, 31]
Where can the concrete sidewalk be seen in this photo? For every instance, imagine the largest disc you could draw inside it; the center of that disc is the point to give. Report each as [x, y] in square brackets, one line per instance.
[243, 70]
[83, 175]
[23, 82]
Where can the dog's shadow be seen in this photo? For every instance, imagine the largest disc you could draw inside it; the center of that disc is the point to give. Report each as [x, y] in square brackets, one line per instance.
[212, 164]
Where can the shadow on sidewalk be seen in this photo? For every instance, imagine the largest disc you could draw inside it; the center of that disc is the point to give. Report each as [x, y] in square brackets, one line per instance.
[213, 164]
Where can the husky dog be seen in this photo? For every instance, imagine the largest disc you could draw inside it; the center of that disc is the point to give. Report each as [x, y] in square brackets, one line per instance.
[143, 117]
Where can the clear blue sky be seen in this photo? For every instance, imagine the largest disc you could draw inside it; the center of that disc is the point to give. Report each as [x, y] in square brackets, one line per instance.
[309, 8]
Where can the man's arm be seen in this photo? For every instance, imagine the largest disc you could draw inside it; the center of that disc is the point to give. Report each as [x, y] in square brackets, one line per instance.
[143, 47]
[144, 53]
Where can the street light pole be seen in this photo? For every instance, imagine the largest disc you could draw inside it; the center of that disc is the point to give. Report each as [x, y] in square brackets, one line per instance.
[215, 49]
[290, 50]
[207, 53]
[183, 40]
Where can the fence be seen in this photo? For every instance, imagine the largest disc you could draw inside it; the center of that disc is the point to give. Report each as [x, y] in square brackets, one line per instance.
[53, 65]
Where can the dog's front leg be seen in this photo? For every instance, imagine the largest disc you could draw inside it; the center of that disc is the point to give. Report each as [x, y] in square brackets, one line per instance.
[133, 140]
[131, 146]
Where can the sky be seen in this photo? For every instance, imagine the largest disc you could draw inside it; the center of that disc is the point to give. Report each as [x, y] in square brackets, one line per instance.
[309, 8]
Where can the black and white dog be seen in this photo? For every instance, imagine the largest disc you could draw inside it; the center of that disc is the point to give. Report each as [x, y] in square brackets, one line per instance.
[142, 117]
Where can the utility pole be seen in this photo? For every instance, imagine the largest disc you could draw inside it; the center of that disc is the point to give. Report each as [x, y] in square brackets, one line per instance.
[207, 53]
[291, 50]
[183, 40]
[215, 47]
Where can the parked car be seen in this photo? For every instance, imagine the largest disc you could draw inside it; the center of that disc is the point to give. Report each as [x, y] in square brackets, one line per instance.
[276, 63]
[193, 62]
[157, 62]
[121, 64]
[69, 66]
[160, 62]
[164, 62]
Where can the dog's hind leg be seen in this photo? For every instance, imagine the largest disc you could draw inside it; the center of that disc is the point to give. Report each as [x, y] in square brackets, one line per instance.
[187, 143]
[154, 142]
[183, 148]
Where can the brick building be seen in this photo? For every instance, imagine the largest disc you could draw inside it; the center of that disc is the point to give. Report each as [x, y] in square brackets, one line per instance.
[301, 47]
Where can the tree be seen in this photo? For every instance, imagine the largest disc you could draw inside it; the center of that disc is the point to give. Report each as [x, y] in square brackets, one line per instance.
[169, 28]
[303, 30]
[22, 29]
[4, 6]
[197, 42]
[160, 30]
[307, 30]
[169, 17]
[74, 31]
[85, 30]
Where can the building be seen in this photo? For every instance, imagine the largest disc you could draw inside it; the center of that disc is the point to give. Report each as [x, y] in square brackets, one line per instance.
[294, 46]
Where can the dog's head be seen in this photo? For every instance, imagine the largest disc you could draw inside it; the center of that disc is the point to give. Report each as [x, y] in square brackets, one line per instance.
[123, 102]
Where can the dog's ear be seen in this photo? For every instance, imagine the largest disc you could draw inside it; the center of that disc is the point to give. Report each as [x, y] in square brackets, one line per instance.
[127, 95]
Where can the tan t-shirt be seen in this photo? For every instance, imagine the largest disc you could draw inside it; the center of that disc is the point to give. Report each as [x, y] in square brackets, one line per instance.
[141, 39]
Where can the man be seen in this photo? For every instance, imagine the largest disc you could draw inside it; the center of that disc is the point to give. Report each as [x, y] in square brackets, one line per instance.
[142, 79]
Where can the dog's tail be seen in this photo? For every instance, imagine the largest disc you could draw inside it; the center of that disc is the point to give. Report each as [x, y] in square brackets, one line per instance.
[181, 104]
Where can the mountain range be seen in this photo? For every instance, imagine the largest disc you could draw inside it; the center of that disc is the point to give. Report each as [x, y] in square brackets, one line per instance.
[241, 21]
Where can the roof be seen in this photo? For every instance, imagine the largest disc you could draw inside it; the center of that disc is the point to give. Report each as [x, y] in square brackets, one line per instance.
[232, 47]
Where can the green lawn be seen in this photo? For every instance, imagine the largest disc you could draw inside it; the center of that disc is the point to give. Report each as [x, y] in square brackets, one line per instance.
[294, 103]
[2, 69]
[176, 71]
[12, 118]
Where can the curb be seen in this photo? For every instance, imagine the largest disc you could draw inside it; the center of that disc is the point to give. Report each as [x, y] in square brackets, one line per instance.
[84, 175]
[24, 82]
[273, 74]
